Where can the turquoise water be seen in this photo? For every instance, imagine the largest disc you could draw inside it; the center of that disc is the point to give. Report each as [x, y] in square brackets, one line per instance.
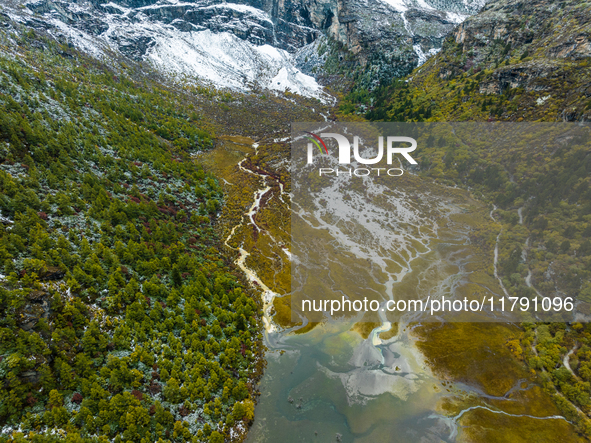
[330, 381]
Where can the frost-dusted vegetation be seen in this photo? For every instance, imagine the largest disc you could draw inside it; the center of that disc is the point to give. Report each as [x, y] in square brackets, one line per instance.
[120, 320]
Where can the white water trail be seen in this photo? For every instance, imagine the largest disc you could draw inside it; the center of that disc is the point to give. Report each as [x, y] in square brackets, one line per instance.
[496, 257]
[387, 238]
[452, 422]
[560, 394]
[528, 282]
[419, 51]
[268, 294]
[416, 48]
[524, 258]
[258, 195]
[566, 362]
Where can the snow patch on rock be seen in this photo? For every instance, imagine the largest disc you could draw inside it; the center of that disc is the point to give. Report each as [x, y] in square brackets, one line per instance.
[227, 61]
[218, 58]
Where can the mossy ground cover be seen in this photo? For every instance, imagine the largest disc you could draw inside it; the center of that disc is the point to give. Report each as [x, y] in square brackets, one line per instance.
[484, 425]
[542, 195]
[364, 328]
[473, 353]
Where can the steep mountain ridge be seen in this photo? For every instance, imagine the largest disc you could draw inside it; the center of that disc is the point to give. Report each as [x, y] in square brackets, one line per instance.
[514, 60]
[543, 40]
[251, 44]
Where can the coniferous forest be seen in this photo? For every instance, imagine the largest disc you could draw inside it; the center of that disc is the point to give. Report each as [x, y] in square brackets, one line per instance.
[145, 221]
[118, 314]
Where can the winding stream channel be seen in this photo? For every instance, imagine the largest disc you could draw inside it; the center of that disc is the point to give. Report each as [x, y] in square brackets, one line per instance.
[335, 383]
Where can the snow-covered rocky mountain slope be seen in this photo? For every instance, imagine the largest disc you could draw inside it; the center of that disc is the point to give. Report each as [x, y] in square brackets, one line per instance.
[255, 43]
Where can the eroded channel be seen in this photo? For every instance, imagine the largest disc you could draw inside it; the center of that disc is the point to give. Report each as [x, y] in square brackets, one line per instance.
[380, 380]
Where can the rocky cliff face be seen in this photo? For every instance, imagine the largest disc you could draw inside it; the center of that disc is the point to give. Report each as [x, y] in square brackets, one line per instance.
[250, 42]
[390, 38]
[515, 60]
[526, 43]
